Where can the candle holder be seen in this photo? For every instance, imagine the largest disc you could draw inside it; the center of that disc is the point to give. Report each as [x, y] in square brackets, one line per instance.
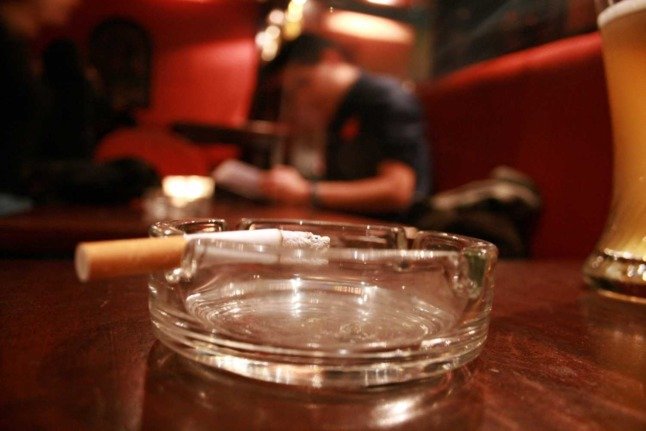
[180, 196]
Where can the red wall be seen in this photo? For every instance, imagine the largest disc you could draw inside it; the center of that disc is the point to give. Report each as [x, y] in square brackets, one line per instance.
[204, 55]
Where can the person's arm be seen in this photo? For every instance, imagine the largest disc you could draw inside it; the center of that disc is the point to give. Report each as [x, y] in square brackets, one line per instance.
[390, 190]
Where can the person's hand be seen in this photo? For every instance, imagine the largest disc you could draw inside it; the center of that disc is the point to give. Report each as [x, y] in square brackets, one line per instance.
[285, 184]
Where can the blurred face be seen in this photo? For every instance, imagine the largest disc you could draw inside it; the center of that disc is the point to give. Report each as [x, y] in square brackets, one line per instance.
[55, 12]
[308, 95]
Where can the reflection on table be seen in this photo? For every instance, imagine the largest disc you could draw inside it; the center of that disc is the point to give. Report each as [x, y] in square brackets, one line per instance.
[220, 401]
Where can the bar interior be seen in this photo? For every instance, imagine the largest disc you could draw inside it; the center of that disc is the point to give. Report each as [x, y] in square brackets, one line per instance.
[445, 200]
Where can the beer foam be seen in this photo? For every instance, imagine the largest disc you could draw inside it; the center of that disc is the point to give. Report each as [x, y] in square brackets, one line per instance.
[620, 9]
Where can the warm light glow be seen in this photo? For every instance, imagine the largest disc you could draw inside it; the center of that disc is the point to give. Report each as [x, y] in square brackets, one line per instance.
[368, 26]
[188, 188]
[276, 17]
[268, 41]
[294, 18]
[383, 2]
[273, 31]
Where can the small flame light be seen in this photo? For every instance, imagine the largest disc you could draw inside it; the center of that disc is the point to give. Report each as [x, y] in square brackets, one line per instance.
[189, 188]
[180, 196]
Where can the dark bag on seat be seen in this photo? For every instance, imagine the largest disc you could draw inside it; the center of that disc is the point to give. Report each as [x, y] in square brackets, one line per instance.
[502, 209]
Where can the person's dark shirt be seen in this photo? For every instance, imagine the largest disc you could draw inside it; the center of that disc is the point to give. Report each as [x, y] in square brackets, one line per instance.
[378, 120]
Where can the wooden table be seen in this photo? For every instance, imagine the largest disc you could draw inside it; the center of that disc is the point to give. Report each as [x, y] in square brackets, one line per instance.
[55, 230]
[83, 356]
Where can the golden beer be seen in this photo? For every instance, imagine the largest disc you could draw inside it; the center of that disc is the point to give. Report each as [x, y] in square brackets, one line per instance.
[619, 262]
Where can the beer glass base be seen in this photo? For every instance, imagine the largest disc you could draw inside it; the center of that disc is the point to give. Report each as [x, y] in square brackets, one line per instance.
[617, 277]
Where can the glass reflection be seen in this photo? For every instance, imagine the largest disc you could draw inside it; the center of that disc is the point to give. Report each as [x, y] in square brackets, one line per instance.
[180, 394]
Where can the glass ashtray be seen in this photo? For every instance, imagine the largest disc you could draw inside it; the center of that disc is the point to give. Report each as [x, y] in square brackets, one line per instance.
[373, 307]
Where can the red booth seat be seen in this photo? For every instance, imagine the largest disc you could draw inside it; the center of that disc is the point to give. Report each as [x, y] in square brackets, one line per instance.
[543, 111]
[167, 152]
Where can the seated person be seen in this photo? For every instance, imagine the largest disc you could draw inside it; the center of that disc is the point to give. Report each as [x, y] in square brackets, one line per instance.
[32, 167]
[370, 137]
[71, 117]
[374, 152]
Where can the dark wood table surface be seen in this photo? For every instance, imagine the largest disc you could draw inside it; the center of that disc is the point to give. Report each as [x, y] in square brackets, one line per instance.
[83, 356]
[79, 356]
[56, 229]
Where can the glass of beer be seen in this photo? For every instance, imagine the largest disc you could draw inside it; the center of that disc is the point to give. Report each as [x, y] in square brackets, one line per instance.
[617, 267]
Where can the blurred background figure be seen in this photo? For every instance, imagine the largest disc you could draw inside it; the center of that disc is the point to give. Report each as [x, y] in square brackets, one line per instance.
[21, 94]
[45, 149]
[358, 143]
[71, 122]
[359, 138]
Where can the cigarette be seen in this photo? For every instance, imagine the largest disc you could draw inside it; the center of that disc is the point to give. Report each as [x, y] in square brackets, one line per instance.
[116, 258]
